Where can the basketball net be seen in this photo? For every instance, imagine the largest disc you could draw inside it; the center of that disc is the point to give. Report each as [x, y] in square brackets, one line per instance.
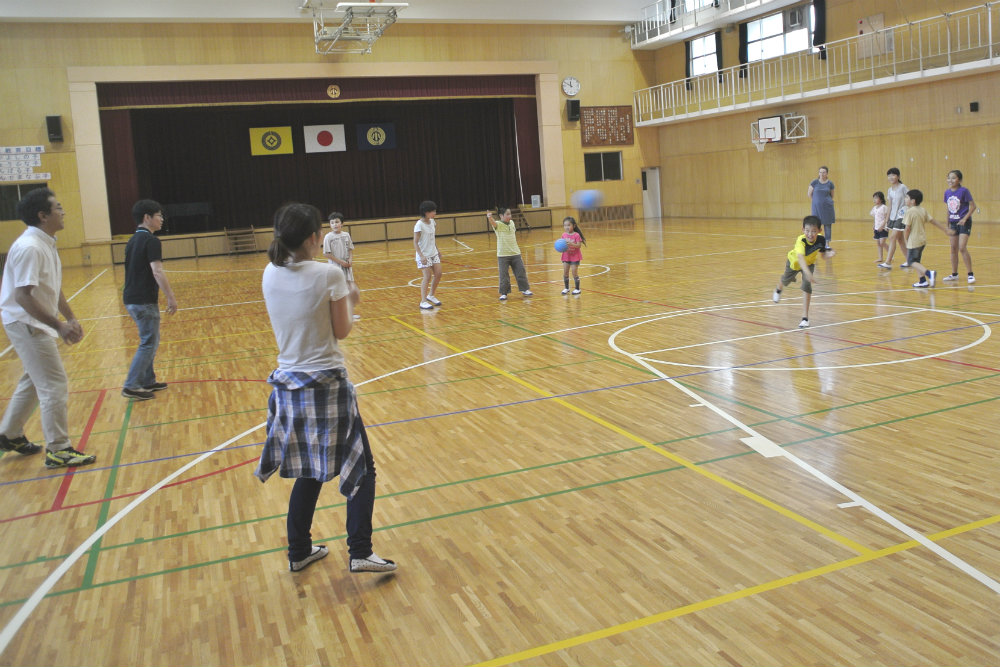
[759, 144]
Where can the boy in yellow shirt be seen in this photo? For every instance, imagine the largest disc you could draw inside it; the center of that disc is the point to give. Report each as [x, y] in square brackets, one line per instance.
[802, 259]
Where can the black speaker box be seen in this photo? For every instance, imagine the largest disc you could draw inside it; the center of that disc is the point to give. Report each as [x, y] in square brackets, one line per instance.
[54, 125]
[573, 109]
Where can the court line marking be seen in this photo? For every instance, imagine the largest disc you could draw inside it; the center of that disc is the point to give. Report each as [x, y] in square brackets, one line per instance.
[11, 347]
[946, 555]
[773, 333]
[732, 486]
[15, 623]
[755, 366]
[701, 605]
[444, 283]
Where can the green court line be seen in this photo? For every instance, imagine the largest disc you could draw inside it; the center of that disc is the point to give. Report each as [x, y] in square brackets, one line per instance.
[902, 419]
[739, 454]
[102, 517]
[466, 511]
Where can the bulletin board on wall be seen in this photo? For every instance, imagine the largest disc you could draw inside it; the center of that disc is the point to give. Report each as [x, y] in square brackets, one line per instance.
[606, 126]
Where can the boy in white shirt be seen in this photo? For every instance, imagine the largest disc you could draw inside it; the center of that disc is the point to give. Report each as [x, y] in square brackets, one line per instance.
[339, 249]
[428, 257]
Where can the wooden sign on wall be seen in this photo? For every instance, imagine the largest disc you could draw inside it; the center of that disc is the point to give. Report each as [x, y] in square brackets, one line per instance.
[606, 126]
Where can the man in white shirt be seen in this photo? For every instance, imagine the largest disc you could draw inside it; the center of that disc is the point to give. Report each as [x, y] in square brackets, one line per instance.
[31, 300]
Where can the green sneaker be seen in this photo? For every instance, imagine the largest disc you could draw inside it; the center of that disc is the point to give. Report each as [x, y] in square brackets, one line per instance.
[68, 458]
[19, 445]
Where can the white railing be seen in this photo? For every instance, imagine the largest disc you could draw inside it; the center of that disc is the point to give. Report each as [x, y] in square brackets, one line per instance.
[959, 40]
[659, 19]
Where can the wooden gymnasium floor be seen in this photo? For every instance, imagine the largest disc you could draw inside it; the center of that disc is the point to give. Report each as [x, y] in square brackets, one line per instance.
[660, 471]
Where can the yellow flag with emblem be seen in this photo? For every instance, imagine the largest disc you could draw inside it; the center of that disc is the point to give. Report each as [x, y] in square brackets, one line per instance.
[271, 140]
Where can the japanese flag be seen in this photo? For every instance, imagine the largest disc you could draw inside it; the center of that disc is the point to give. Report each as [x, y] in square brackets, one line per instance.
[324, 138]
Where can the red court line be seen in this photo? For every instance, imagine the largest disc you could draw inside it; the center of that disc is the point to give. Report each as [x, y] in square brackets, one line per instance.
[126, 495]
[81, 446]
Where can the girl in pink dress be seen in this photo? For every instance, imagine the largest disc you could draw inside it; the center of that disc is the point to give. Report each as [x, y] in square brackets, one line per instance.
[571, 258]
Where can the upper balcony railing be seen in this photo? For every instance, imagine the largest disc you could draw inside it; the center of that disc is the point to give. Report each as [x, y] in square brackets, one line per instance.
[962, 40]
[660, 20]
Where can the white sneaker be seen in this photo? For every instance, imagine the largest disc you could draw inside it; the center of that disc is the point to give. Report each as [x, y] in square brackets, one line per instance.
[503, 297]
[372, 564]
[884, 265]
[576, 291]
[972, 279]
[950, 278]
[357, 317]
[566, 291]
[904, 265]
[427, 305]
[932, 278]
[776, 296]
[527, 292]
[921, 283]
[433, 299]
[804, 323]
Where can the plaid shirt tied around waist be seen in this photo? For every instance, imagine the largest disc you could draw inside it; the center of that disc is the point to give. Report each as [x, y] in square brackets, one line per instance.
[313, 429]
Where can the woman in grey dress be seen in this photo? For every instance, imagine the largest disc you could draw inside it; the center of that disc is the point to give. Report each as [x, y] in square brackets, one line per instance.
[821, 193]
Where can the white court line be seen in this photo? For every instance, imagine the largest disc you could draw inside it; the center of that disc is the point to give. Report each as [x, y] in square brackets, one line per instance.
[854, 497]
[777, 333]
[11, 347]
[179, 310]
[987, 332]
[29, 606]
[14, 625]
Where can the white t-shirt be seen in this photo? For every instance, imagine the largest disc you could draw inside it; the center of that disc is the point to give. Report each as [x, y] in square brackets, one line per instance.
[338, 244]
[32, 260]
[426, 241]
[298, 297]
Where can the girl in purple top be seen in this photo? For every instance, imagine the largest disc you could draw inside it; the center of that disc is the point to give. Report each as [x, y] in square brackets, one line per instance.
[960, 205]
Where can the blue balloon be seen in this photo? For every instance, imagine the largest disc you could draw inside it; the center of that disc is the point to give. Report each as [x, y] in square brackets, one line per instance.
[586, 200]
[561, 245]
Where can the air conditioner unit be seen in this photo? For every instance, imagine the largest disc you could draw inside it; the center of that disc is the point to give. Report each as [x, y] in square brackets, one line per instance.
[793, 18]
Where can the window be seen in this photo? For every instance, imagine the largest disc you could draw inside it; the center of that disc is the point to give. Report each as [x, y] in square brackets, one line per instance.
[603, 166]
[778, 34]
[703, 58]
[11, 194]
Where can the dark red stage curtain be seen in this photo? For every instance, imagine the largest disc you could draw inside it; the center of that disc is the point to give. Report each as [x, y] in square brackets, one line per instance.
[528, 151]
[120, 168]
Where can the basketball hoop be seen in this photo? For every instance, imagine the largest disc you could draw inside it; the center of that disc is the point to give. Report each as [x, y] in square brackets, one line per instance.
[759, 144]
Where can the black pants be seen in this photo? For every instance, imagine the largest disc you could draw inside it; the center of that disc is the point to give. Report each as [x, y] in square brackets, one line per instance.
[302, 506]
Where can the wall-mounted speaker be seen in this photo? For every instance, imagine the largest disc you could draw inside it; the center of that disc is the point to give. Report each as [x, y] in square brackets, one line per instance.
[54, 126]
[573, 110]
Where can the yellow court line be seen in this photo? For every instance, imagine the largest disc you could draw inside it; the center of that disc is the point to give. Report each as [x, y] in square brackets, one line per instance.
[604, 633]
[732, 486]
